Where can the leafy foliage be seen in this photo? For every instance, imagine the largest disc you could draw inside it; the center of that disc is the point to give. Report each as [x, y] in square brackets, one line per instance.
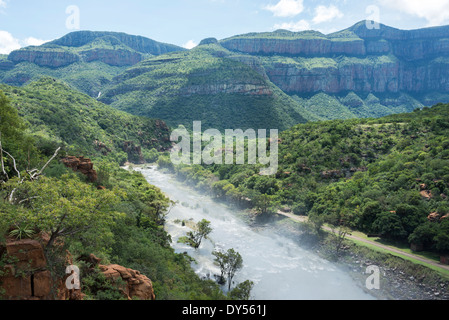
[195, 237]
[59, 115]
[207, 84]
[381, 176]
[122, 223]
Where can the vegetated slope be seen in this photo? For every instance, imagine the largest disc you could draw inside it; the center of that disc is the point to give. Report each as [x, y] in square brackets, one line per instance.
[364, 72]
[387, 176]
[59, 115]
[271, 80]
[121, 222]
[87, 60]
[208, 84]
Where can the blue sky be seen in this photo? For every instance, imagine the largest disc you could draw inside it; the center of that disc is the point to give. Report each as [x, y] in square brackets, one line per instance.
[187, 22]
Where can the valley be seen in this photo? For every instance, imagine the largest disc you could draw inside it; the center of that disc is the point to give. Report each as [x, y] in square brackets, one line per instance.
[363, 117]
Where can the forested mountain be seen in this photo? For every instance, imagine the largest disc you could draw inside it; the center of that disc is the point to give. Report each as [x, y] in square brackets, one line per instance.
[386, 176]
[53, 215]
[208, 84]
[359, 147]
[58, 115]
[87, 60]
[273, 79]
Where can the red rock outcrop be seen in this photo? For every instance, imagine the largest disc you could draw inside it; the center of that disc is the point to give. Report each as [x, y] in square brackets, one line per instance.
[113, 57]
[426, 194]
[358, 59]
[434, 216]
[53, 59]
[27, 277]
[137, 286]
[82, 165]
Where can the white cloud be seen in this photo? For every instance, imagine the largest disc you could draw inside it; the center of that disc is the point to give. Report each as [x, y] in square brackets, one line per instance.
[436, 12]
[286, 8]
[294, 26]
[33, 41]
[2, 3]
[326, 14]
[190, 44]
[8, 43]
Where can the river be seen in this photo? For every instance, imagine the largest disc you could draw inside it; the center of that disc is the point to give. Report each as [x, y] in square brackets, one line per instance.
[279, 267]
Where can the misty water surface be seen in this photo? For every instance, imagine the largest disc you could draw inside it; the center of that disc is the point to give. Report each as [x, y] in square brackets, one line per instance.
[280, 269]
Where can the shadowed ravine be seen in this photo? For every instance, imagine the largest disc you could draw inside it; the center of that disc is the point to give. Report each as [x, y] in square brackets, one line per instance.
[280, 269]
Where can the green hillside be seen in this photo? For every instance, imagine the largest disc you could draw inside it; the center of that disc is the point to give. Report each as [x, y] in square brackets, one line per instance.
[208, 84]
[86, 60]
[121, 223]
[57, 114]
[387, 176]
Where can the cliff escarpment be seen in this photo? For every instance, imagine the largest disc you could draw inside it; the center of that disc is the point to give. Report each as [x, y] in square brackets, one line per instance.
[115, 49]
[384, 60]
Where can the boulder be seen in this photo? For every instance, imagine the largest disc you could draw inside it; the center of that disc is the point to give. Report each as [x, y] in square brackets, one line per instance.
[82, 165]
[26, 278]
[29, 253]
[434, 216]
[137, 286]
[426, 194]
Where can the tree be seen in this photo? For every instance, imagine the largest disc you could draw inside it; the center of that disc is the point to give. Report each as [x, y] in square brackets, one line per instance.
[442, 237]
[265, 204]
[316, 221]
[369, 215]
[424, 234]
[11, 125]
[194, 238]
[65, 207]
[242, 291]
[12, 135]
[229, 262]
[147, 201]
[410, 216]
[389, 225]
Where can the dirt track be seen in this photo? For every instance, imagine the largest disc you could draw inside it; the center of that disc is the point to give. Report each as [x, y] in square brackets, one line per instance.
[431, 262]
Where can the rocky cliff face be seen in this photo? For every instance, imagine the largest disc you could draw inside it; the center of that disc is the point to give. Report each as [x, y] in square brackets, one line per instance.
[136, 284]
[232, 88]
[115, 49]
[384, 60]
[116, 58]
[27, 278]
[82, 165]
[53, 59]
[137, 43]
[295, 47]
[361, 76]
[26, 275]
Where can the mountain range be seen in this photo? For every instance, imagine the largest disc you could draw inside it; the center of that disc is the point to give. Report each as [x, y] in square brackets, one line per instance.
[256, 80]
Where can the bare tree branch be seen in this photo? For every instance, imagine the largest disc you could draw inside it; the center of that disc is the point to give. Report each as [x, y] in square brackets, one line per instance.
[34, 174]
[29, 199]
[51, 159]
[14, 163]
[11, 196]
[1, 158]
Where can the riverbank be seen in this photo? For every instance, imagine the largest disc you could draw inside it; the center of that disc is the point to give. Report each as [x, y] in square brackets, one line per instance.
[400, 279]
[279, 267]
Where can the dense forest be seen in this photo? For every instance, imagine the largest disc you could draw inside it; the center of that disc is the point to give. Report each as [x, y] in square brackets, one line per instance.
[387, 177]
[122, 222]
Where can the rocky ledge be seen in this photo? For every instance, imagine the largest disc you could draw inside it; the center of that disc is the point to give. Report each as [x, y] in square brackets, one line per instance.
[26, 276]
